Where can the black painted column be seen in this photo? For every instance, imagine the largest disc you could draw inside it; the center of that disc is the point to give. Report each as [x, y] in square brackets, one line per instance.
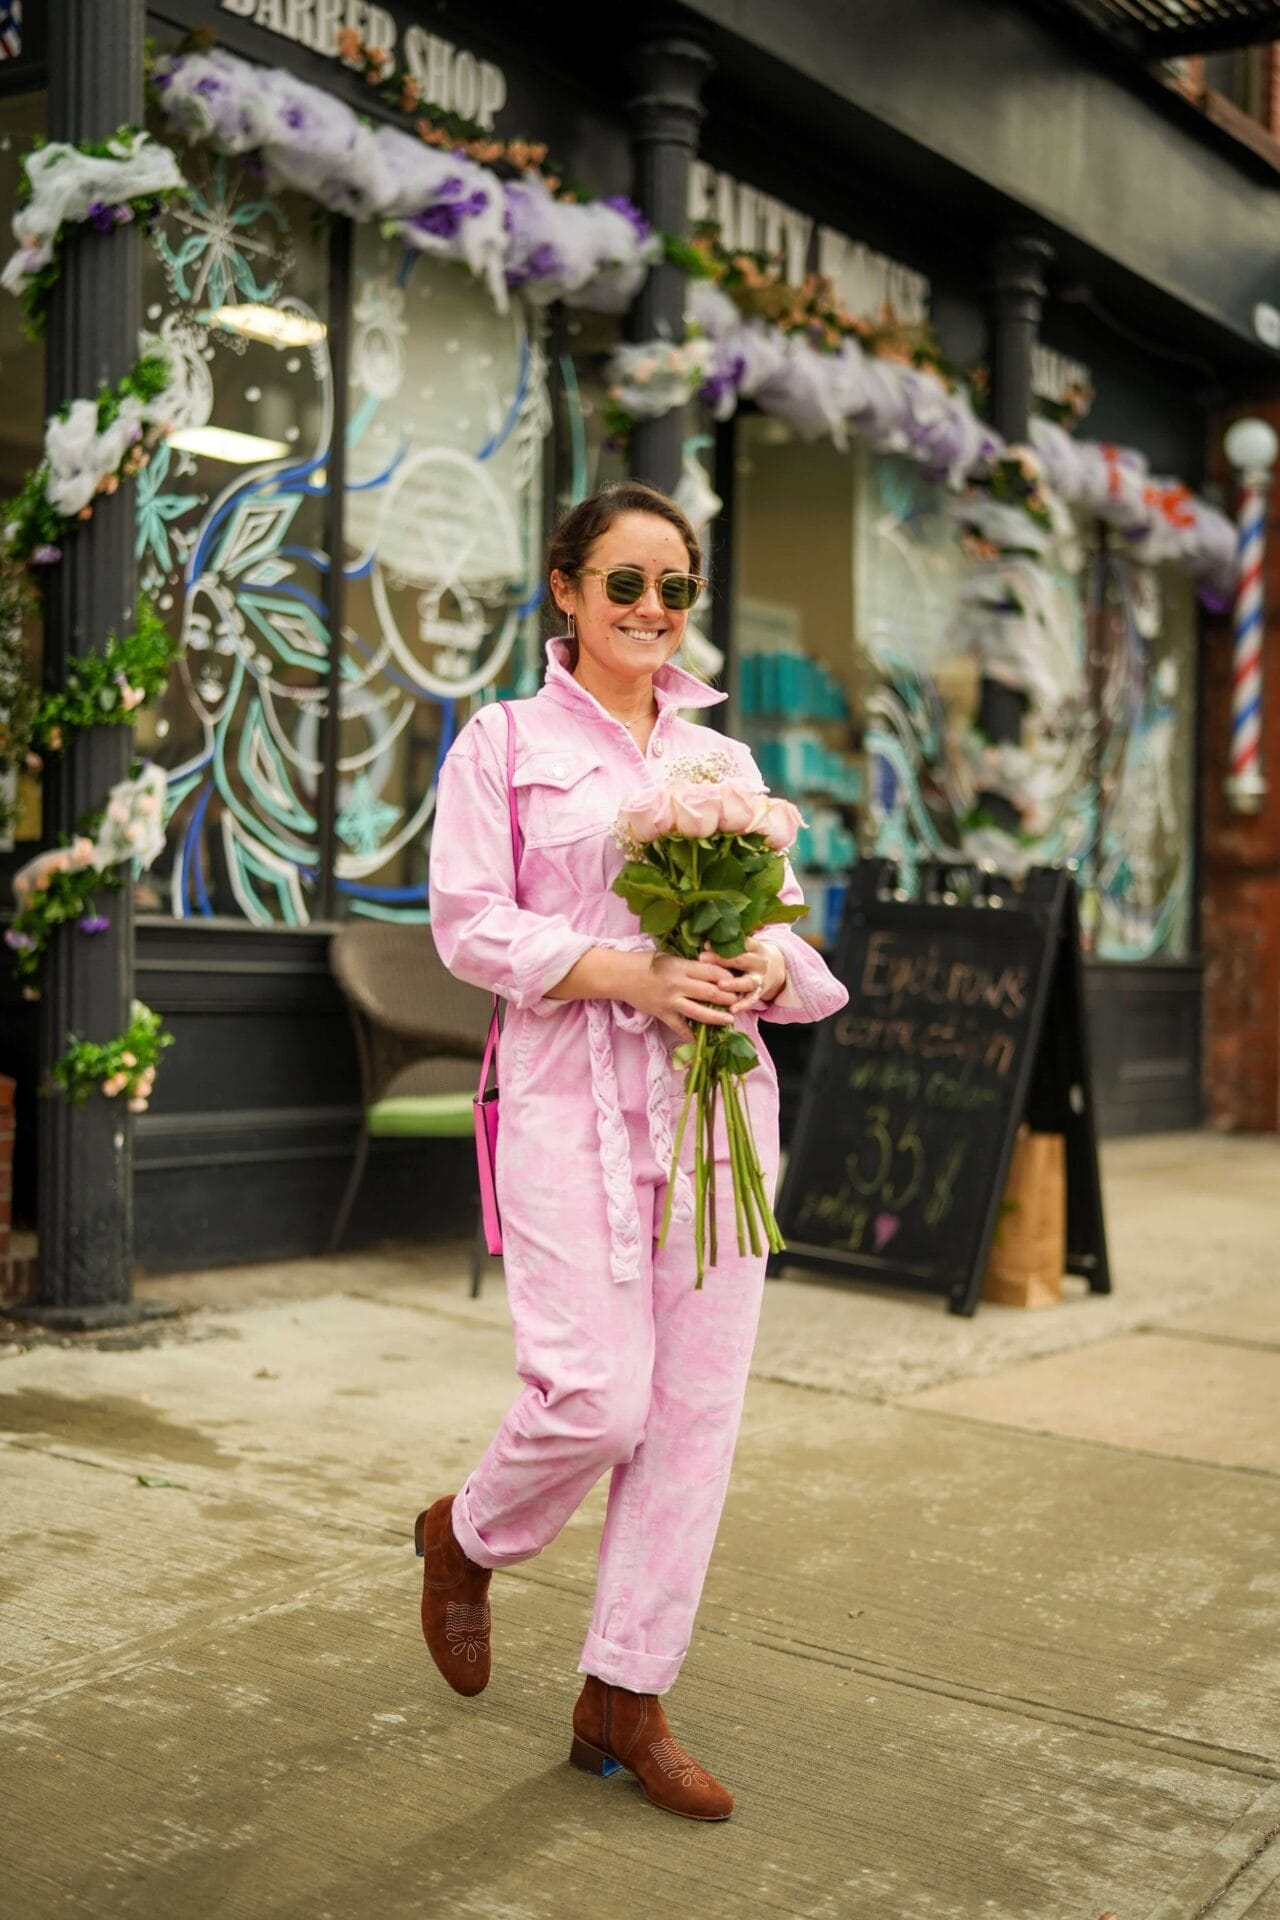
[1018, 290]
[85, 1200]
[670, 67]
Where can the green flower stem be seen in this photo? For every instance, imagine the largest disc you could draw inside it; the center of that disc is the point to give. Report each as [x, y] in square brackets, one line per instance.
[744, 1219]
[699, 1170]
[750, 1198]
[709, 1107]
[675, 1156]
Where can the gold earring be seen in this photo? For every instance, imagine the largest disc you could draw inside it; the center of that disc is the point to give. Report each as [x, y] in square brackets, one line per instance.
[573, 630]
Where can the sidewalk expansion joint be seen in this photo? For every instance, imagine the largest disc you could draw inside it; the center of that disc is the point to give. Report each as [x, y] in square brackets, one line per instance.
[1150, 1739]
[1008, 1427]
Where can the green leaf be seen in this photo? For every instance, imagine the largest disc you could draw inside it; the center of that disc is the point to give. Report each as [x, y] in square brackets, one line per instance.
[726, 872]
[659, 917]
[783, 912]
[153, 1480]
[705, 917]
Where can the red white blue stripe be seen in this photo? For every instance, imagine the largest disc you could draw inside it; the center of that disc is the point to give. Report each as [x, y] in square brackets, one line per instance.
[10, 29]
[1246, 688]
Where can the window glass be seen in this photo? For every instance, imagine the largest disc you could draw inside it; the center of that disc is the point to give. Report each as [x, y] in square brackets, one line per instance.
[231, 547]
[449, 413]
[795, 681]
[22, 119]
[1141, 766]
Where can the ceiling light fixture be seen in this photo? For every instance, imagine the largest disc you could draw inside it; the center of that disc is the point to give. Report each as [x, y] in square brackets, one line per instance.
[275, 326]
[221, 443]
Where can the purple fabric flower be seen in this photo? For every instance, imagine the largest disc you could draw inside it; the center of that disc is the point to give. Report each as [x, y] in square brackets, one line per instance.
[18, 941]
[544, 263]
[294, 117]
[443, 220]
[102, 216]
[723, 381]
[46, 556]
[94, 923]
[620, 204]
[208, 86]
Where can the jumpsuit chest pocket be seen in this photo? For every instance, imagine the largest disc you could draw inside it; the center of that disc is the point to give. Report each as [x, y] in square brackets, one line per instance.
[564, 796]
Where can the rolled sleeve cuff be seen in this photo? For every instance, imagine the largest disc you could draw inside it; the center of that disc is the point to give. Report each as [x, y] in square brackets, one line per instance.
[559, 950]
[812, 990]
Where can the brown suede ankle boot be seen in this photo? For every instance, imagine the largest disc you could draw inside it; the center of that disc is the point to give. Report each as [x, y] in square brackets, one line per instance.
[456, 1622]
[614, 1728]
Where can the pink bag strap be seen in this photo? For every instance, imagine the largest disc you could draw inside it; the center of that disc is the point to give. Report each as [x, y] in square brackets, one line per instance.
[491, 1044]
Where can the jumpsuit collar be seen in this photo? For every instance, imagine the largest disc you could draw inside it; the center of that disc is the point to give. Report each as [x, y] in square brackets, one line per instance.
[672, 687]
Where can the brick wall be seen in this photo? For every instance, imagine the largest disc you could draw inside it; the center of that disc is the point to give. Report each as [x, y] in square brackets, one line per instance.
[1241, 894]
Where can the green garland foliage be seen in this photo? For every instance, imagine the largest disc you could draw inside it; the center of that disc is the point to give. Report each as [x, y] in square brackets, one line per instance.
[146, 207]
[33, 524]
[18, 698]
[102, 689]
[126, 1065]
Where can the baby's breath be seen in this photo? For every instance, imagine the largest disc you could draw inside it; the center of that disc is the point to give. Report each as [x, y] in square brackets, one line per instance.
[707, 768]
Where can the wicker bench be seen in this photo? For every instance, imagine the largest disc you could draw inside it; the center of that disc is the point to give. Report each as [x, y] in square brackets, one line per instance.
[419, 1038]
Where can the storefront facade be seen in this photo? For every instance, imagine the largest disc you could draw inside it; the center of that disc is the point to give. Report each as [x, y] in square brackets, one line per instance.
[382, 447]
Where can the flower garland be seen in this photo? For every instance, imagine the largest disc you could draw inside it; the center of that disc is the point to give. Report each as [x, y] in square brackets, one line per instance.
[18, 698]
[59, 886]
[89, 448]
[104, 688]
[126, 1065]
[758, 286]
[432, 196]
[897, 407]
[106, 183]
[401, 90]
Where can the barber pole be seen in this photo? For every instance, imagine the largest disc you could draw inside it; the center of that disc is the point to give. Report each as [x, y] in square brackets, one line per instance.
[1251, 447]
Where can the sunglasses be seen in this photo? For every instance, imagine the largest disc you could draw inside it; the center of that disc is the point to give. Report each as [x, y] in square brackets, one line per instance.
[625, 585]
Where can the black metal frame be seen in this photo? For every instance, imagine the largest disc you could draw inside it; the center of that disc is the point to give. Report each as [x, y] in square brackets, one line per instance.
[1161, 29]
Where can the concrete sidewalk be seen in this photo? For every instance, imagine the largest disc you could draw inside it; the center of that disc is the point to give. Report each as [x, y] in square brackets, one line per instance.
[991, 1632]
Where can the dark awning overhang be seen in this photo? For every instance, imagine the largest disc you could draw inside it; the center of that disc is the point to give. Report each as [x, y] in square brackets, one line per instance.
[1166, 29]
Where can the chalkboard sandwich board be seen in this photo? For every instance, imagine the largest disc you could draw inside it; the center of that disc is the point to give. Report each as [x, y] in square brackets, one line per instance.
[963, 1020]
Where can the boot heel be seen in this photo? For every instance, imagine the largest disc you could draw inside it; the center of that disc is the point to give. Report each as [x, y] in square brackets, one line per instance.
[591, 1760]
[418, 1525]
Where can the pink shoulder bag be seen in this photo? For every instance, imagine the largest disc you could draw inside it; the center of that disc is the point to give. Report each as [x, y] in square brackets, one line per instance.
[485, 1103]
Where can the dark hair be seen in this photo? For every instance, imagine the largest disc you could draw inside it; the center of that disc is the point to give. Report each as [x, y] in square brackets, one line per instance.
[582, 526]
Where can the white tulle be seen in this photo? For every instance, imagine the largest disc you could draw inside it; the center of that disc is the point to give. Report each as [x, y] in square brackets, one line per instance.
[441, 203]
[66, 184]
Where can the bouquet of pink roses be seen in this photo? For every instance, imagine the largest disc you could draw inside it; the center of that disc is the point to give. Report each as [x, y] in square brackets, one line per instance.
[705, 868]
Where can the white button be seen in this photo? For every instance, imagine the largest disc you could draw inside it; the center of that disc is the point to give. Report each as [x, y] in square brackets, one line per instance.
[559, 770]
[658, 746]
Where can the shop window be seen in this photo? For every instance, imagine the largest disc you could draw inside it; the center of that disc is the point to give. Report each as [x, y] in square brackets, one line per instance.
[443, 519]
[1137, 871]
[441, 546]
[796, 683]
[590, 456]
[231, 547]
[22, 376]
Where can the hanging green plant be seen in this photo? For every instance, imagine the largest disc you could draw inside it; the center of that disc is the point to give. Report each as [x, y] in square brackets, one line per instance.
[18, 697]
[125, 1066]
[105, 689]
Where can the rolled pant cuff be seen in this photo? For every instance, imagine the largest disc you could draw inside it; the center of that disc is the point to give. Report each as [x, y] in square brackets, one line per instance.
[620, 1667]
[471, 1543]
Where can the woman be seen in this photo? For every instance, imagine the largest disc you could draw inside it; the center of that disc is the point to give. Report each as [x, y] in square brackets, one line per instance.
[625, 1366]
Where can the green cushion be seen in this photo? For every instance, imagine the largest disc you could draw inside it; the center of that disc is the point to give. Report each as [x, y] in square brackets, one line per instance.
[446, 1116]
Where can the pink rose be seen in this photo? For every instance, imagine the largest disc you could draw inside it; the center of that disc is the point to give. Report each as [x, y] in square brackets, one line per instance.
[648, 816]
[696, 806]
[742, 809]
[782, 822]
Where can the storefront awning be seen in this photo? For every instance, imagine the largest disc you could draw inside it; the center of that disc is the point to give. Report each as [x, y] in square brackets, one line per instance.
[1164, 29]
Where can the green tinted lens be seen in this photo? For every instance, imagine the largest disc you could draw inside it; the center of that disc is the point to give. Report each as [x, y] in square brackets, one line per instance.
[679, 591]
[625, 585]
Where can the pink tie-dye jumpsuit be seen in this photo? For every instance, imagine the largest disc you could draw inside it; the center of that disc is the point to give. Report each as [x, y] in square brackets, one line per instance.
[625, 1366]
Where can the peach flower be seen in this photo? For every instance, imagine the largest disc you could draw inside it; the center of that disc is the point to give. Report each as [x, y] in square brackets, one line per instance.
[696, 806]
[742, 809]
[648, 816]
[782, 822]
